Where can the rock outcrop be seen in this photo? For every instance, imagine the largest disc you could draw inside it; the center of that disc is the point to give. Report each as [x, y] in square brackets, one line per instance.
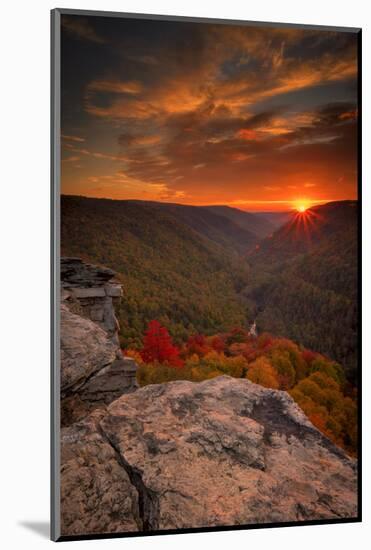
[184, 455]
[93, 370]
[89, 291]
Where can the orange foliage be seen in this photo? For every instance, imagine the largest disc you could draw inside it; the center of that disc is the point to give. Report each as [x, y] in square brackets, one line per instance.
[197, 344]
[218, 344]
[261, 372]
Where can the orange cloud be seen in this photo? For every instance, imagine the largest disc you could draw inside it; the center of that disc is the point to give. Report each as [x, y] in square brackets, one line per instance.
[201, 84]
[73, 138]
[115, 86]
[247, 134]
[98, 154]
[350, 115]
[72, 158]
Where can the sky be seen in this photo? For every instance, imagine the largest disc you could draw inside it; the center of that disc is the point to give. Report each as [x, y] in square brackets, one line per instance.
[258, 118]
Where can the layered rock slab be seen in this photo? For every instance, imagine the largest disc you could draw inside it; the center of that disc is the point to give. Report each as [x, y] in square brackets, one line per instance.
[216, 453]
[91, 291]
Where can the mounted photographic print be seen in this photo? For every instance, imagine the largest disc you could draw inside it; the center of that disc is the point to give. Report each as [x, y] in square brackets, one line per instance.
[206, 281]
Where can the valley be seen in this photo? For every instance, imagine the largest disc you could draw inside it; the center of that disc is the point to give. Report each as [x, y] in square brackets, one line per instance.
[209, 269]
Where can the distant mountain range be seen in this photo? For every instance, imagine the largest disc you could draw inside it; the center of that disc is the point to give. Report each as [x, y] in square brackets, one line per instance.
[276, 219]
[209, 268]
[229, 227]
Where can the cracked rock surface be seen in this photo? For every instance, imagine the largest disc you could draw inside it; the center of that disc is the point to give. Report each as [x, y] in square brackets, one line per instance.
[216, 453]
[96, 493]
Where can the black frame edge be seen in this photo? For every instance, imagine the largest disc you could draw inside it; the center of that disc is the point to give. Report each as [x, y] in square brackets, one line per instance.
[359, 273]
[190, 19]
[54, 275]
[216, 529]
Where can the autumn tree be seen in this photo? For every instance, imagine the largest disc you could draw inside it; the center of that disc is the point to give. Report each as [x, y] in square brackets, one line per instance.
[309, 356]
[158, 346]
[198, 344]
[286, 373]
[264, 341]
[238, 348]
[218, 343]
[237, 335]
[232, 366]
[330, 368]
[294, 354]
[261, 372]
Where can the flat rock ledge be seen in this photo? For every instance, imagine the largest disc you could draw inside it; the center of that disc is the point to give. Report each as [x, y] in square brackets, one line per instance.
[185, 455]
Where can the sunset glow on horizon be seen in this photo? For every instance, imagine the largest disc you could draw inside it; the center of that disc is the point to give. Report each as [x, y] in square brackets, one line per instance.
[259, 119]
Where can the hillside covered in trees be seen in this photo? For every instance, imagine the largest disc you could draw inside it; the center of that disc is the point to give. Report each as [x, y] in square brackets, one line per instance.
[303, 283]
[169, 271]
[235, 230]
[209, 269]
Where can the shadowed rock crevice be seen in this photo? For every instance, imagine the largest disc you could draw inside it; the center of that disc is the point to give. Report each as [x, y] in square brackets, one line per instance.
[147, 499]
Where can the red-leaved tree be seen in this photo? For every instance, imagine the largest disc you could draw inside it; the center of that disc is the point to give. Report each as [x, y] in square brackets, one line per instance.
[197, 344]
[218, 344]
[309, 356]
[158, 346]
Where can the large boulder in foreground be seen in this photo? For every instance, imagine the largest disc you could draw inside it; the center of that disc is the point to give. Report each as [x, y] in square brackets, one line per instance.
[217, 453]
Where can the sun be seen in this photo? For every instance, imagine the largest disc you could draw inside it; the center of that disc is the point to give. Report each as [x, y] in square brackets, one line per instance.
[301, 205]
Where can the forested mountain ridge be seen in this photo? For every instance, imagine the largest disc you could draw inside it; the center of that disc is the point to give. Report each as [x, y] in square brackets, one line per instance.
[276, 219]
[304, 281]
[253, 222]
[306, 230]
[231, 228]
[168, 271]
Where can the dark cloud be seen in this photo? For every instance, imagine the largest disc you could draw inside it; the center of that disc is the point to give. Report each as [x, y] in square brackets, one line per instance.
[81, 28]
[198, 140]
[336, 113]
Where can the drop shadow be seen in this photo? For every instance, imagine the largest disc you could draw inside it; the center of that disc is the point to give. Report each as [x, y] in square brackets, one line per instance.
[41, 528]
